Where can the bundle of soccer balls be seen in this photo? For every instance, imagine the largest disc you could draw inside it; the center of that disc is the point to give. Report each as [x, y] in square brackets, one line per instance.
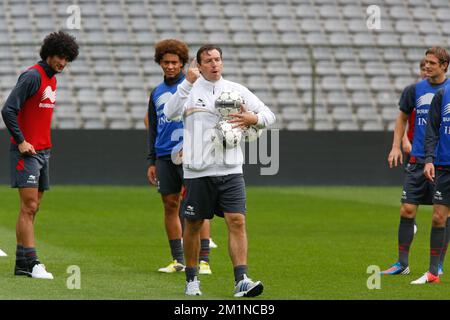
[224, 134]
[227, 103]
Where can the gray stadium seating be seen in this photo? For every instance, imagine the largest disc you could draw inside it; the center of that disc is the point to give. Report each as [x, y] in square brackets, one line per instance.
[360, 73]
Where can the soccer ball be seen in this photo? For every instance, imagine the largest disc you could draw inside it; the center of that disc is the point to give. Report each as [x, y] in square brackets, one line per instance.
[252, 133]
[228, 102]
[225, 135]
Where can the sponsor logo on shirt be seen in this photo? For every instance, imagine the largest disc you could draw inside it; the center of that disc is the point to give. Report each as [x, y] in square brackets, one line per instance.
[425, 100]
[446, 110]
[48, 98]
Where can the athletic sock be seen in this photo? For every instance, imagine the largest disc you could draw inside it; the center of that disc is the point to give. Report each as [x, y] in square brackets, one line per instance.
[31, 256]
[437, 237]
[176, 248]
[20, 256]
[239, 272]
[405, 238]
[204, 250]
[447, 239]
[191, 273]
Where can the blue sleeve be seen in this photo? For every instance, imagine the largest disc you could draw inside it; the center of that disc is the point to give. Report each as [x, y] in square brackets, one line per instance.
[407, 101]
[27, 85]
[433, 126]
[151, 132]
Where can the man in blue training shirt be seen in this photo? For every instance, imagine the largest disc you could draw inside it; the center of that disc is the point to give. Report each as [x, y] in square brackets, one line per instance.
[417, 189]
[164, 136]
[437, 150]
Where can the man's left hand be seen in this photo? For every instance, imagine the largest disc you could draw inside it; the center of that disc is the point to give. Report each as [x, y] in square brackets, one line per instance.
[244, 119]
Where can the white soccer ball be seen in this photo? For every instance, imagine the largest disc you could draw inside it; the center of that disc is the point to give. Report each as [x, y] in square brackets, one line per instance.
[226, 136]
[252, 133]
[228, 102]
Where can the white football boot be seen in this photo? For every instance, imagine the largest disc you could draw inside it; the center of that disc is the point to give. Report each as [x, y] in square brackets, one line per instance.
[193, 288]
[39, 272]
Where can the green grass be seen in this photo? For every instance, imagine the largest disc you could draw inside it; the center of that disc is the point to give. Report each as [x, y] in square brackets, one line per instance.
[304, 243]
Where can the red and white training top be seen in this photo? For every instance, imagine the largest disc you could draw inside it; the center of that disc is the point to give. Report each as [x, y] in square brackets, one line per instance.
[35, 115]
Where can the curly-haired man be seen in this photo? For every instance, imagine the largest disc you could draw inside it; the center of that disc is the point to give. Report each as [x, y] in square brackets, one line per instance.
[27, 114]
[163, 141]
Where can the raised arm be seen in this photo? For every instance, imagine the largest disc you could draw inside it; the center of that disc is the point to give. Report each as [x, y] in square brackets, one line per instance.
[173, 109]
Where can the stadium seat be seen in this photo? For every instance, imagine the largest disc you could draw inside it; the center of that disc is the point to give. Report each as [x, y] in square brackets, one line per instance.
[363, 39]
[326, 68]
[375, 68]
[265, 47]
[292, 113]
[243, 38]
[352, 11]
[298, 125]
[399, 12]
[388, 39]
[356, 83]
[389, 114]
[361, 98]
[350, 68]
[281, 10]
[323, 125]
[331, 83]
[404, 26]
[232, 10]
[316, 39]
[386, 99]
[301, 68]
[305, 11]
[304, 83]
[347, 126]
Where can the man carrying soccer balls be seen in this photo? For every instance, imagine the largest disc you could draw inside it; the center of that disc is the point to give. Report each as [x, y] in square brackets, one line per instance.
[212, 174]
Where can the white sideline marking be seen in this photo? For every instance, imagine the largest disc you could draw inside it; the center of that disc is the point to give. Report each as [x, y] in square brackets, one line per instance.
[3, 253]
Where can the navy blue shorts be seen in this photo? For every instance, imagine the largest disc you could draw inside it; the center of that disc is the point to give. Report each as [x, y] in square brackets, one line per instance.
[442, 186]
[416, 188]
[207, 196]
[30, 171]
[169, 176]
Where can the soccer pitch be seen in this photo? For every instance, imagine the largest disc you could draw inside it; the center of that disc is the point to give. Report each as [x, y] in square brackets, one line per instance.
[304, 243]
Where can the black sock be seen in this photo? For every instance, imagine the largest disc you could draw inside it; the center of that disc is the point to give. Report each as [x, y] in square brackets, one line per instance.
[239, 272]
[31, 256]
[447, 239]
[405, 238]
[20, 256]
[204, 250]
[437, 237]
[191, 273]
[176, 248]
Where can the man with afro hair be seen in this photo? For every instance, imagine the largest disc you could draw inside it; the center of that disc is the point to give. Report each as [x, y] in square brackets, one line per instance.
[171, 55]
[27, 114]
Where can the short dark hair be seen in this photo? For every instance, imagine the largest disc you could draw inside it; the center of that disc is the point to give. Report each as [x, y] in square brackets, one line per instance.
[206, 48]
[172, 46]
[59, 44]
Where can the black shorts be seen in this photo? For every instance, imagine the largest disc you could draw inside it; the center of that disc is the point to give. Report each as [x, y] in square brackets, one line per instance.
[416, 188]
[170, 176]
[441, 193]
[30, 171]
[207, 196]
